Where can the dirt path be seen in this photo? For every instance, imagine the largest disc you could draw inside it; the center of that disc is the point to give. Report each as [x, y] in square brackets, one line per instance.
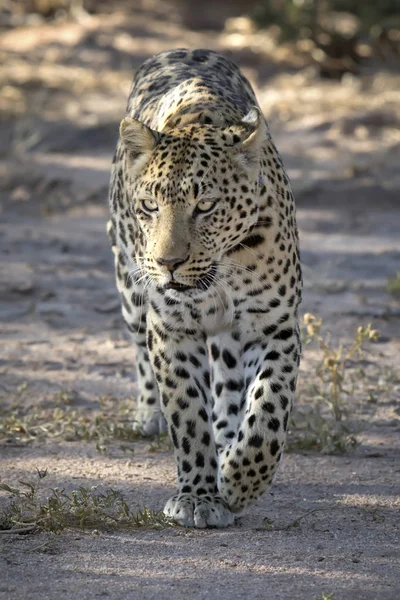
[63, 341]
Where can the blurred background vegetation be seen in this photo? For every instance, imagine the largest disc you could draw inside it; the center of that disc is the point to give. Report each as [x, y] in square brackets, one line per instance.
[340, 33]
[337, 35]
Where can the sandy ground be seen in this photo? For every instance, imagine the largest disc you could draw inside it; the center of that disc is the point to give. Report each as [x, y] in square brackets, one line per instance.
[64, 92]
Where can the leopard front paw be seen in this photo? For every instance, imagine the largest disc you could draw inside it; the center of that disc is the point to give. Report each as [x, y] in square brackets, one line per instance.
[203, 511]
[149, 422]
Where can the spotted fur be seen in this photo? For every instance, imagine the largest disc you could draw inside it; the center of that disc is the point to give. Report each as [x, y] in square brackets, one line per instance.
[204, 235]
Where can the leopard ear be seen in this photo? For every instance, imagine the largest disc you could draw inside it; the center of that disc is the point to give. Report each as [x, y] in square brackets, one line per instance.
[248, 137]
[138, 139]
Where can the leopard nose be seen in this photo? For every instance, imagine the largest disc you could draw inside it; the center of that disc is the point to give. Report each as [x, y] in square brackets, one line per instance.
[171, 263]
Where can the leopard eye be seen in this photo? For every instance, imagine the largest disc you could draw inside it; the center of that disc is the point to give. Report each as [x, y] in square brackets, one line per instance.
[149, 205]
[205, 206]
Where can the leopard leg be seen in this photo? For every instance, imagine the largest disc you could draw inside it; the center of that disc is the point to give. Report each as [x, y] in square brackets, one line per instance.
[148, 417]
[248, 464]
[181, 366]
[228, 384]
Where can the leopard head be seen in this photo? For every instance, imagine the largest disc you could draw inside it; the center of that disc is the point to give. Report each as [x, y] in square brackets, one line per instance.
[192, 195]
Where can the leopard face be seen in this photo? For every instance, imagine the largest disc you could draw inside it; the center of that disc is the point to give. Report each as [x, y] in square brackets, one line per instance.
[192, 197]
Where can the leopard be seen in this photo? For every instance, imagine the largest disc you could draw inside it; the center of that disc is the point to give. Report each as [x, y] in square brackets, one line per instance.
[203, 230]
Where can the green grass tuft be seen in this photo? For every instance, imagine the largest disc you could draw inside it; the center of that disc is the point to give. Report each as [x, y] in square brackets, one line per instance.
[111, 422]
[83, 508]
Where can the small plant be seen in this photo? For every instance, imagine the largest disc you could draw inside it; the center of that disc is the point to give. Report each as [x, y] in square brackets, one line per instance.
[325, 596]
[333, 368]
[393, 285]
[80, 509]
[313, 431]
[321, 423]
